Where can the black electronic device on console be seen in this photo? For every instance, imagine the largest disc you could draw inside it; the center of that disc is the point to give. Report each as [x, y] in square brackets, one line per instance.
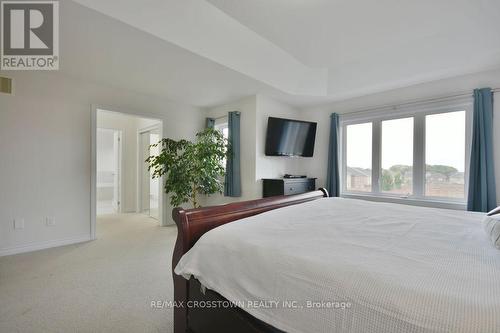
[289, 176]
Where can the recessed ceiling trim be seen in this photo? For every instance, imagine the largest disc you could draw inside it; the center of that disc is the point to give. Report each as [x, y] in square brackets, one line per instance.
[201, 28]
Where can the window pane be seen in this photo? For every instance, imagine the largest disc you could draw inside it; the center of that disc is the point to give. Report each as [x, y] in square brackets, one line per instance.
[359, 157]
[397, 156]
[445, 155]
[224, 129]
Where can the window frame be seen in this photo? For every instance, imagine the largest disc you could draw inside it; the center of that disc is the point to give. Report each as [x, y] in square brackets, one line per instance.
[418, 111]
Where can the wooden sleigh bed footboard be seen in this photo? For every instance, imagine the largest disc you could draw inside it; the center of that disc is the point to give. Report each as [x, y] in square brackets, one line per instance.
[192, 224]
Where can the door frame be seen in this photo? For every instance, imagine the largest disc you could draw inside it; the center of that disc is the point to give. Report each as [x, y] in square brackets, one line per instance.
[93, 159]
[140, 166]
[119, 169]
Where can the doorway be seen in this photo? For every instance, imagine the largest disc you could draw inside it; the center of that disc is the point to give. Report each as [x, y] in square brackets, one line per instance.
[120, 180]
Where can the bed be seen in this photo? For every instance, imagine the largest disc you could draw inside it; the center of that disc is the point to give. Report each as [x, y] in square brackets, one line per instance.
[309, 263]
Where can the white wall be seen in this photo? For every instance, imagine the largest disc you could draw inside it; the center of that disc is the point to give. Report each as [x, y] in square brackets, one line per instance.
[273, 166]
[45, 144]
[143, 123]
[317, 166]
[255, 111]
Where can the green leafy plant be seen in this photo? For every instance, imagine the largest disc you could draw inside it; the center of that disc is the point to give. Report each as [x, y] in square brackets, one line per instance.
[445, 170]
[191, 168]
[387, 180]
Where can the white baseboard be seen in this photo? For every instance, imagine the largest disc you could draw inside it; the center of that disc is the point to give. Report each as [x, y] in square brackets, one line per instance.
[35, 246]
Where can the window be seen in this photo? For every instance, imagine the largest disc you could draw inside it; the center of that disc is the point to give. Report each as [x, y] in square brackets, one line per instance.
[407, 154]
[445, 155]
[397, 156]
[359, 157]
[222, 126]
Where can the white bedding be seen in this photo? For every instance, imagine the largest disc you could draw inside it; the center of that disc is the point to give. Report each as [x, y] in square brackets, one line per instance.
[401, 268]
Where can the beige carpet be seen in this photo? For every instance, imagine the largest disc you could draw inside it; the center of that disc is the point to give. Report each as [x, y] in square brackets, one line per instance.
[102, 286]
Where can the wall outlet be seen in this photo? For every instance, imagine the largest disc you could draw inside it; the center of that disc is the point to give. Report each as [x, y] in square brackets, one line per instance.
[18, 223]
[50, 221]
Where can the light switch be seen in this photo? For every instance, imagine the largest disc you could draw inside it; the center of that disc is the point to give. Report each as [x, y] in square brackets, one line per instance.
[18, 223]
[50, 221]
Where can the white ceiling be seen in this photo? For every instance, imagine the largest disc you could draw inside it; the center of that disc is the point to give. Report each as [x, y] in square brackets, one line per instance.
[97, 48]
[300, 51]
[336, 33]
[369, 46]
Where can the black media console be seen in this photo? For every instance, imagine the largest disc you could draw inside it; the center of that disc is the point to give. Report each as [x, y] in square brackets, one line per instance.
[287, 186]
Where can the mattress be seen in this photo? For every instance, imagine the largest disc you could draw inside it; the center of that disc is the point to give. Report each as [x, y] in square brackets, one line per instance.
[345, 265]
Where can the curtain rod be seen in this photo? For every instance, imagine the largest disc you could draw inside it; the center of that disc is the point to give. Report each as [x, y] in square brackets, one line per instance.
[418, 101]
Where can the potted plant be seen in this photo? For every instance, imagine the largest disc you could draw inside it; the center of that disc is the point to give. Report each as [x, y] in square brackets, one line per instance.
[191, 168]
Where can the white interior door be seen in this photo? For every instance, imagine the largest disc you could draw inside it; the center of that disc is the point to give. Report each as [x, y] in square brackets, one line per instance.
[117, 170]
[108, 171]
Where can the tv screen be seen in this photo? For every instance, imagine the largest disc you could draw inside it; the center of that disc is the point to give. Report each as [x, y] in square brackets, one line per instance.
[286, 137]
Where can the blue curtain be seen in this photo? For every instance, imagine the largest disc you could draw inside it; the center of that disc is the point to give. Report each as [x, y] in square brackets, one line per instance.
[232, 184]
[482, 189]
[210, 123]
[333, 176]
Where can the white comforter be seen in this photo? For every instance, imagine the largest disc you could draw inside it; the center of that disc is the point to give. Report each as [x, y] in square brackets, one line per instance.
[396, 268]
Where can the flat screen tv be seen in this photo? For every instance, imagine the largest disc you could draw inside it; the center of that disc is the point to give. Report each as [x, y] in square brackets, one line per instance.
[287, 137]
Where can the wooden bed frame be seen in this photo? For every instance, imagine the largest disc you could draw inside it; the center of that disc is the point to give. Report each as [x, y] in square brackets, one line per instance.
[191, 225]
